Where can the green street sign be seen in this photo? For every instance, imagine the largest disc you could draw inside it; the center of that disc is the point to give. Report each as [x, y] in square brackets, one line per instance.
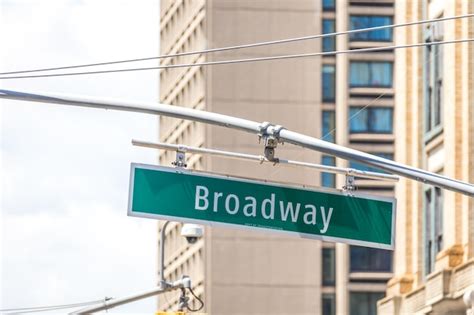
[329, 215]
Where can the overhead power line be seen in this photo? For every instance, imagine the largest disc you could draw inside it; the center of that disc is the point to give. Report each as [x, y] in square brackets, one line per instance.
[46, 308]
[247, 60]
[252, 45]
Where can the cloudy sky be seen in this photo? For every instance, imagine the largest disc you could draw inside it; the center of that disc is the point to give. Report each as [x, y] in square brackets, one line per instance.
[65, 235]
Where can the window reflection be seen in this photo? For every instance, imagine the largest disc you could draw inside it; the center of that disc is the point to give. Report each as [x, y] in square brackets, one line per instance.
[371, 120]
[329, 43]
[364, 302]
[365, 259]
[328, 179]
[371, 74]
[367, 21]
[329, 81]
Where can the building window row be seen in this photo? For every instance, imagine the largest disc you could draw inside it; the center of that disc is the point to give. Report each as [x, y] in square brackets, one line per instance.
[371, 74]
[368, 21]
[329, 267]
[329, 43]
[329, 5]
[328, 179]
[434, 80]
[364, 302]
[362, 74]
[329, 83]
[433, 201]
[328, 304]
[328, 131]
[370, 119]
[365, 259]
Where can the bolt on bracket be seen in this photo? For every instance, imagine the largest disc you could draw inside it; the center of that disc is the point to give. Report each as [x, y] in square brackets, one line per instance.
[350, 183]
[270, 140]
[180, 159]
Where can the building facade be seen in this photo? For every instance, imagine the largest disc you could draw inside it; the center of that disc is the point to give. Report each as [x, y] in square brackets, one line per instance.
[434, 257]
[347, 99]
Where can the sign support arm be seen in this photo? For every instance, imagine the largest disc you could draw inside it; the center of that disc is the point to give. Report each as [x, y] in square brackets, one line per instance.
[251, 127]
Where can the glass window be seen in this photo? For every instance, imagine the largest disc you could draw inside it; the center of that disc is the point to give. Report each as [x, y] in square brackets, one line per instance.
[329, 5]
[329, 43]
[329, 82]
[371, 120]
[366, 21]
[358, 119]
[328, 179]
[371, 74]
[365, 259]
[329, 304]
[329, 267]
[434, 81]
[364, 302]
[433, 226]
[364, 167]
[328, 132]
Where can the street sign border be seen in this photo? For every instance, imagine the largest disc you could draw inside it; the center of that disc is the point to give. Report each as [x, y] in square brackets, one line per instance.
[131, 213]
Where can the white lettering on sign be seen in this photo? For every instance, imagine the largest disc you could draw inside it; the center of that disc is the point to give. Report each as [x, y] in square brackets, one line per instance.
[200, 197]
[288, 210]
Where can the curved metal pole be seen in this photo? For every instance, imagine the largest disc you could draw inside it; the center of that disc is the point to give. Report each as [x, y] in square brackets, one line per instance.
[252, 127]
[373, 160]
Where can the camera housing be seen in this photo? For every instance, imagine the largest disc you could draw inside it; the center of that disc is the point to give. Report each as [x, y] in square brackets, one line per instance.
[192, 232]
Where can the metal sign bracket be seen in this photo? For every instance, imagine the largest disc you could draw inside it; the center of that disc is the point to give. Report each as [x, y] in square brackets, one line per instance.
[271, 137]
[350, 184]
[180, 159]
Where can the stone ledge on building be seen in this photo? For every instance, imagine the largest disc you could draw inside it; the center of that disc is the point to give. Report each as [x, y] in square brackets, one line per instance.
[441, 293]
[400, 285]
[450, 257]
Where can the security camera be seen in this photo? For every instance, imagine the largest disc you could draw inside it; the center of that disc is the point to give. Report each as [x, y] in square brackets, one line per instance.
[192, 232]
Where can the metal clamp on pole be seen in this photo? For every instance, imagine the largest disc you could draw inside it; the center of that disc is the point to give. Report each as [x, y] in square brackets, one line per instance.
[183, 299]
[180, 159]
[271, 138]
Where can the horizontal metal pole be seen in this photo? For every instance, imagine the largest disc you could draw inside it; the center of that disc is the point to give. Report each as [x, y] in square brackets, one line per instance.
[133, 298]
[261, 159]
[252, 127]
[145, 108]
[373, 160]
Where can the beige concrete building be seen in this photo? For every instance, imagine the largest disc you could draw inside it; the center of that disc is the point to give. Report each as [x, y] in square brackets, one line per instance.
[434, 264]
[347, 99]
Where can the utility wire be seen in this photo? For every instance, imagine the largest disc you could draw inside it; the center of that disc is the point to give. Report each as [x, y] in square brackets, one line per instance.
[247, 60]
[252, 45]
[50, 307]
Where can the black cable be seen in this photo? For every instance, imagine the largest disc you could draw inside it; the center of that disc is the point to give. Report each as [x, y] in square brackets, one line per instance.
[197, 298]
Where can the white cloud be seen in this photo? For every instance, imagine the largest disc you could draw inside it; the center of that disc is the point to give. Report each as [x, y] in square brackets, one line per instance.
[80, 254]
[65, 236]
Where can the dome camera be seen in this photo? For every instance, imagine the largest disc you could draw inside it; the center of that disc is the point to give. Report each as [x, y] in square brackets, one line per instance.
[192, 232]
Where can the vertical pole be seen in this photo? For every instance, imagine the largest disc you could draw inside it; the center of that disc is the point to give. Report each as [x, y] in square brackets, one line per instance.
[163, 283]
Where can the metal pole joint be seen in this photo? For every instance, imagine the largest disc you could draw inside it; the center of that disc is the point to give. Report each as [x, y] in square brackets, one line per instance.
[271, 137]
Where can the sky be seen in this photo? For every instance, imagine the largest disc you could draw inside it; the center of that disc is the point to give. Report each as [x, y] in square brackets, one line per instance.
[65, 236]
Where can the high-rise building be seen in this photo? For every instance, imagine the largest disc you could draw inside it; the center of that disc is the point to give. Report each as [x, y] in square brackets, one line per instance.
[347, 99]
[434, 257]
